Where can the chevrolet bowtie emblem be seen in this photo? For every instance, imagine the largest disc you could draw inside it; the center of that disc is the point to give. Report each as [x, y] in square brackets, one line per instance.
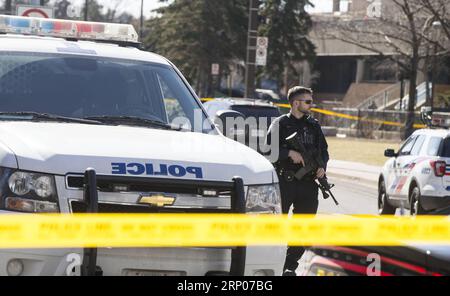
[157, 200]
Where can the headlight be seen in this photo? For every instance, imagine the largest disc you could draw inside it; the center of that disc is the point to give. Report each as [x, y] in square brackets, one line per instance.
[28, 192]
[21, 183]
[264, 199]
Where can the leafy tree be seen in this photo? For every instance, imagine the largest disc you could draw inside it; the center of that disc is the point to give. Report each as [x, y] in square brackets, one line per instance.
[287, 25]
[196, 33]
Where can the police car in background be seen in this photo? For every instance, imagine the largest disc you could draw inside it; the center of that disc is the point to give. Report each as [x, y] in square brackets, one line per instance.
[75, 95]
[417, 177]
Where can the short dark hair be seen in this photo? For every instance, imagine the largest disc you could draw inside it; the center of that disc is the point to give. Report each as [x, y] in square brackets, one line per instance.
[296, 91]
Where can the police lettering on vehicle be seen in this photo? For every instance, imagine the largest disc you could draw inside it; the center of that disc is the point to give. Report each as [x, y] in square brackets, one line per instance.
[139, 169]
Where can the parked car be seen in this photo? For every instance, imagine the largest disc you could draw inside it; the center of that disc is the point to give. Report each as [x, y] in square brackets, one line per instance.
[254, 134]
[417, 177]
[380, 261]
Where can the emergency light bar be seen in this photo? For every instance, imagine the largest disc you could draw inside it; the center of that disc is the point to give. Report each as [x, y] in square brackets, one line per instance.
[68, 29]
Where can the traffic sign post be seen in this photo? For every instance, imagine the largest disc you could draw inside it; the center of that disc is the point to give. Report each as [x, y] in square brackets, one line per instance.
[262, 42]
[261, 51]
[215, 69]
[261, 56]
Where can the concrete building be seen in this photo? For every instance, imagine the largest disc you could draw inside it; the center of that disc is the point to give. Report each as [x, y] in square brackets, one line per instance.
[348, 74]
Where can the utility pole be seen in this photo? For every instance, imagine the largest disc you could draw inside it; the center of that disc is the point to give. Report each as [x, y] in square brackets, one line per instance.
[8, 6]
[141, 30]
[251, 49]
[86, 4]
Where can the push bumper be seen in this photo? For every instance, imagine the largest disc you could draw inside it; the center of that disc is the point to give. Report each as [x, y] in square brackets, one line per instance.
[144, 261]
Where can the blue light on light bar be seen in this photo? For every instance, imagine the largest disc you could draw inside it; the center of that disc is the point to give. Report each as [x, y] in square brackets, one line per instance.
[47, 26]
[18, 23]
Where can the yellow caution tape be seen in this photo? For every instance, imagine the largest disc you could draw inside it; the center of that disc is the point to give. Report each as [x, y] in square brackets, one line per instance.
[352, 117]
[186, 230]
[342, 115]
[206, 99]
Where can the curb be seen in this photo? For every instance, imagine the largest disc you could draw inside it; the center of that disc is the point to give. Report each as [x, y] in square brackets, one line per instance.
[369, 182]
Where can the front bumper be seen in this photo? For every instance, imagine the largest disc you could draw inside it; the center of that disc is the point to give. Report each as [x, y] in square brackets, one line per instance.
[145, 261]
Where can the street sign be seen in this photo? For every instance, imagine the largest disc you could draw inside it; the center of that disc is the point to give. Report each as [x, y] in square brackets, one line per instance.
[261, 51]
[374, 9]
[262, 42]
[34, 11]
[215, 69]
[261, 56]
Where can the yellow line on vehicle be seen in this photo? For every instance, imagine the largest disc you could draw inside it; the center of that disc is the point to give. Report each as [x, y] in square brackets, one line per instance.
[209, 230]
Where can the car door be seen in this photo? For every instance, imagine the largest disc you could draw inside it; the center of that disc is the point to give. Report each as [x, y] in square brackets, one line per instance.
[401, 166]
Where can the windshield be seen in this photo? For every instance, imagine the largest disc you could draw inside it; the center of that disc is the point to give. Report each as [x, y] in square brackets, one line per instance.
[94, 87]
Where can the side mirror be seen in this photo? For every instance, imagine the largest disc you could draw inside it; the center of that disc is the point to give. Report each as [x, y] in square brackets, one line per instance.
[390, 153]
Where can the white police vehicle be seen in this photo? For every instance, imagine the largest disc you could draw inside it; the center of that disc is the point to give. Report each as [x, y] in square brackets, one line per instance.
[417, 177]
[78, 95]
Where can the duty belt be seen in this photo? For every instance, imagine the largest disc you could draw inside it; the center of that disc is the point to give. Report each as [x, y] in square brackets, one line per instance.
[289, 175]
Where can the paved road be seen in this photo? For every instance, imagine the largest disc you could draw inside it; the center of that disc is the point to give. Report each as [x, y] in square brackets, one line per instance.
[353, 197]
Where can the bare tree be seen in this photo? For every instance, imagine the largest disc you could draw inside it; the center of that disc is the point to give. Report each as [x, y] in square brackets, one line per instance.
[400, 33]
[440, 10]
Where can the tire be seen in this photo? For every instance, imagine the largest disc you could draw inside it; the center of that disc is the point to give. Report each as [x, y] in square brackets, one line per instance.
[415, 205]
[384, 208]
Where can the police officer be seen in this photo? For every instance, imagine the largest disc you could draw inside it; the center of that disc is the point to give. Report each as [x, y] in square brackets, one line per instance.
[302, 194]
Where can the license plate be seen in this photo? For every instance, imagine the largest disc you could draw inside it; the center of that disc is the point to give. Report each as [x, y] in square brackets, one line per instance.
[140, 272]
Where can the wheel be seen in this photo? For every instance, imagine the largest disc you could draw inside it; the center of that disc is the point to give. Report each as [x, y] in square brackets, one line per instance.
[415, 205]
[384, 208]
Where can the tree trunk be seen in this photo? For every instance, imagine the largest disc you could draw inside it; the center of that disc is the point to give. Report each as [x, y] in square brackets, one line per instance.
[409, 128]
[8, 6]
[285, 80]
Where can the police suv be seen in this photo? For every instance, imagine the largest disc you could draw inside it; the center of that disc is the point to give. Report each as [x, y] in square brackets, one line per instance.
[418, 175]
[78, 95]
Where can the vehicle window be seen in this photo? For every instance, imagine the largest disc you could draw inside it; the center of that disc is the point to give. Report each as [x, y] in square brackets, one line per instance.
[433, 146]
[446, 148]
[418, 145]
[258, 112]
[212, 108]
[407, 147]
[79, 86]
[172, 104]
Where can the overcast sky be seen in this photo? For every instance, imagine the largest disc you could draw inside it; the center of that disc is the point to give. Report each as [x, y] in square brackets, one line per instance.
[134, 6]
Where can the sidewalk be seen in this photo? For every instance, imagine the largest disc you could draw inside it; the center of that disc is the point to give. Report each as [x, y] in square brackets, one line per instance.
[358, 172]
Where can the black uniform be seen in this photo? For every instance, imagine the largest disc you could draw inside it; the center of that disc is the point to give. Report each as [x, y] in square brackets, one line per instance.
[303, 194]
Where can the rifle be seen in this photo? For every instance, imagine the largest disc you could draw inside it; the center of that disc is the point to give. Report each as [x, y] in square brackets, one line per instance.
[313, 162]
